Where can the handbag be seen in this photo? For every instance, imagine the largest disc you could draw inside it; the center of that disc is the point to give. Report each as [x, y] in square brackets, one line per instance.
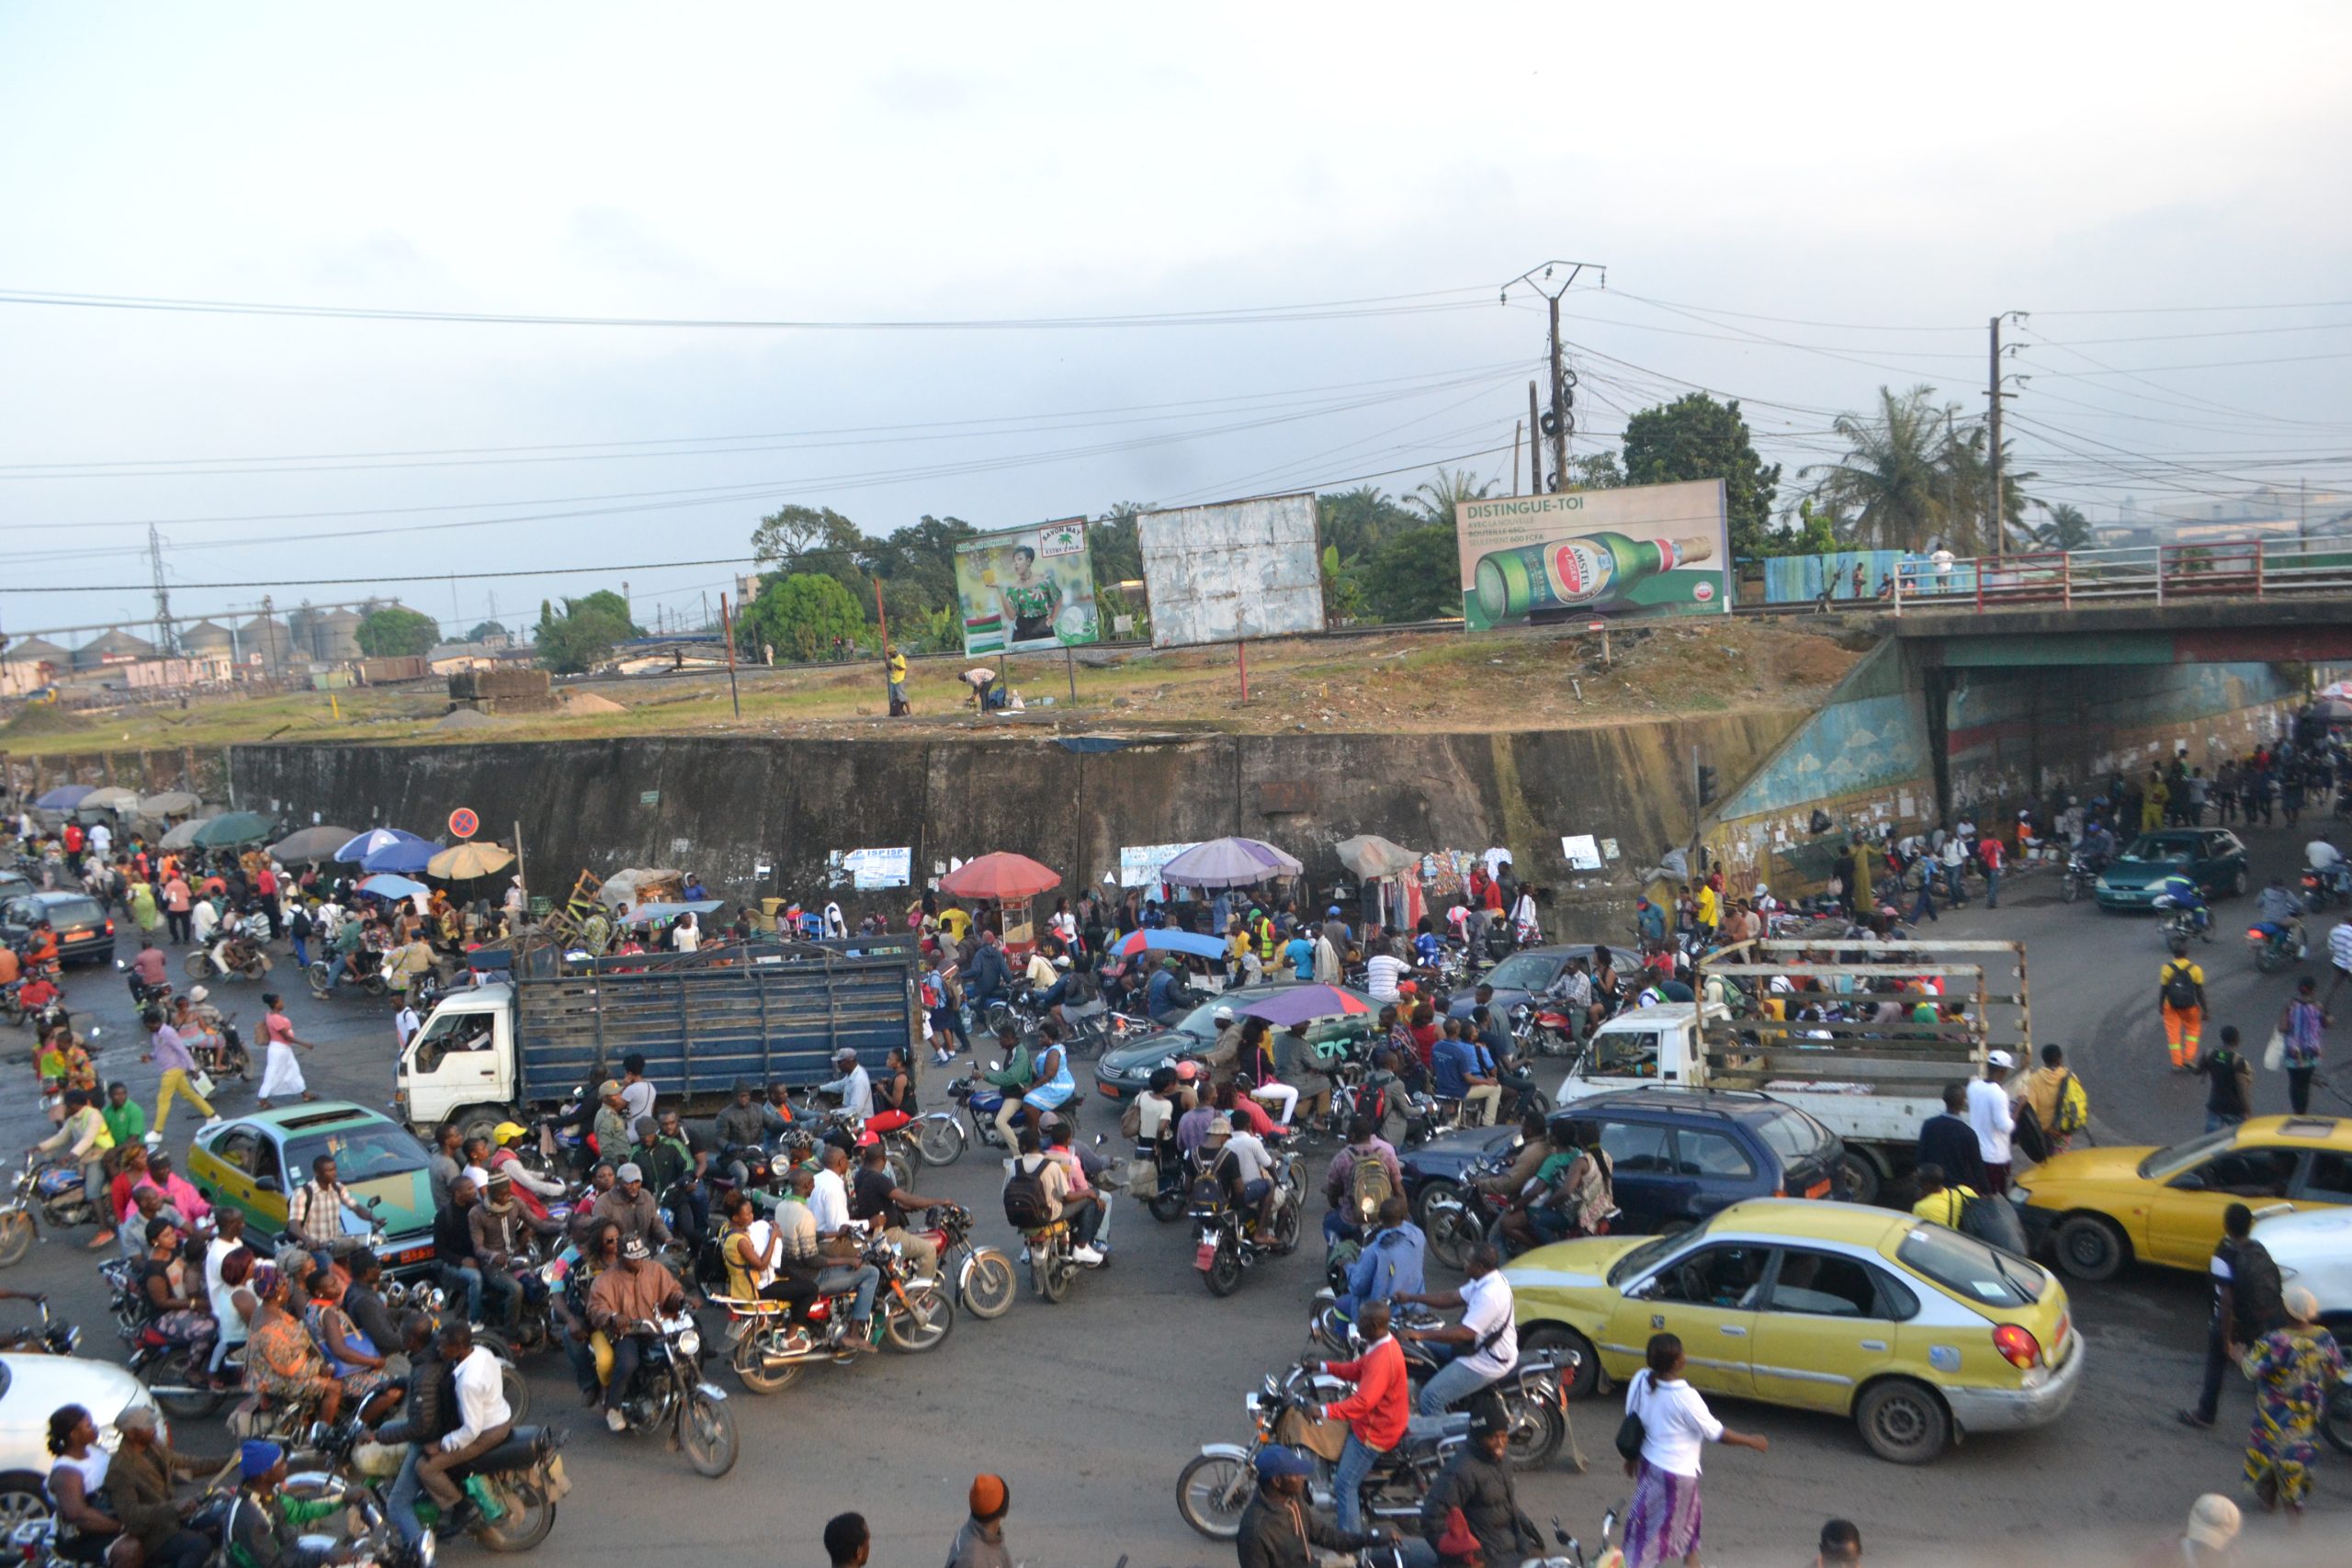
[1630, 1432]
[2274, 1054]
[200, 1081]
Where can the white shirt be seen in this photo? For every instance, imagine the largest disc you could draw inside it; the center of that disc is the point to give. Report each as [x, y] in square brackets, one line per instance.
[481, 1404]
[202, 922]
[404, 1025]
[2339, 946]
[1989, 1114]
[637, 1100]
[1954, 854]
[686, 938]
[856, 1089]
[1250, 1153]
[1676, 1423]
[828, 1201]
[101, 841]
[2319, 854]
[220, 1292]
[1152, 1112]
[1381, 972]
[1485, 1307]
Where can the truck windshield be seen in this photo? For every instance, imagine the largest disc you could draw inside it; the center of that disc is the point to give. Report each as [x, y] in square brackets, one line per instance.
[453, 1032]
[1626, 1053]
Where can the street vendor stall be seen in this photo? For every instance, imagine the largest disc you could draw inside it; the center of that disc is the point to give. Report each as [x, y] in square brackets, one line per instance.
[1010, 881]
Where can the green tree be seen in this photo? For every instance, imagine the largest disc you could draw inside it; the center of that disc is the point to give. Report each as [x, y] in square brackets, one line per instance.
[1343, 597]
[582, 636]
[1695, 437]
[1595, 470]
[1891, 484]
[485, 631]
[1114, 547]
[396, 631]
[1358, 522]
[800, 614]
[2067, 528]
[789, 534]
[1416, 576]
[1434, 501]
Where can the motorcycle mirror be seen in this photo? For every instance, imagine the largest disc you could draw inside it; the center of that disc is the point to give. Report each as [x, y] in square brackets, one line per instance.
[118, 963]
[996, 1066]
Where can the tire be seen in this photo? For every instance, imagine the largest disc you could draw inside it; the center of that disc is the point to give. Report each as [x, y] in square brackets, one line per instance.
[476, 1121]
[753, 1371]
[1537, 1430]
[1167, 1207]
[516, 1391]
[1903, 1422]
[1585, 1382]
[901, 1169]
[1053, 1279]
[175, 1369]
[2071, 887]
[1863, 1182]
[939, 1140]
[2090, 1247]
[1211, 1492]
[991, 1286]
[317, 975]
[1285, 1232]
[935, 1320]
[2237, 883]
[2336, 1423]
[15, 1237]
[523, 1525]
[707, 1435]
[2266, 957]
[1223, 1277]
[197, 963]
[22, 1501]
[1452, 1231]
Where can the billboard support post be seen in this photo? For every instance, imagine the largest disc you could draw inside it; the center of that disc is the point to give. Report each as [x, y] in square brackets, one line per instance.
[1242, 657]
[1069, 664]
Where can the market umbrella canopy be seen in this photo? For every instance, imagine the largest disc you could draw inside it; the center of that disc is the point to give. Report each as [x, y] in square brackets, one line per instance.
[390, 887]
[310, 843]
[114, 797]
[65, 797]
[405, 859]
[183, 835]
[1005, 877]
[468, 861]
[1164, 940]
[1229, 863]
[1295, 1005]
[228, 832]
[637, 882]
[1373, 857]
[2335, 710]
[168, 803]
[645, 914]
[364, 844]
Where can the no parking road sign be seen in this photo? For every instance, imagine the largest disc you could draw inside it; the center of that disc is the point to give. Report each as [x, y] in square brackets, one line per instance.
[463, 823]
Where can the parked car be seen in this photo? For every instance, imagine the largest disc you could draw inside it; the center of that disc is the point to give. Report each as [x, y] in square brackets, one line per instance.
[2314, 1249]
[85, 934]
[1125, 1070]
[1916, 1333]
[12, 885]
[2100, 1208]
[31, 1388]
[1680, 1155]
[1522, 975]
[2214, 856]
[254, 1161]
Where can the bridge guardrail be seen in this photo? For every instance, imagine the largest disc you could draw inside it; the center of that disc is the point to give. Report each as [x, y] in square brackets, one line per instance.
[2251, 569]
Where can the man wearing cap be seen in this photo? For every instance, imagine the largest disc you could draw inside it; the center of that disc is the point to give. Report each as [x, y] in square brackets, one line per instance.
[139, 1489]
[531, 1190]
[853, 1090]
[631, 1207]
[631, 1293]
[1990, 1114]
[613, 1121]
[1278, 1529]
[981, 1542]
[1478, 1482]
[1225, 1050]
[1377, 1411]
[264, 1527]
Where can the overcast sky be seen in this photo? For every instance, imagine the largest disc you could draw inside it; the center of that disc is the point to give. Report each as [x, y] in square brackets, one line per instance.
[1820, 175]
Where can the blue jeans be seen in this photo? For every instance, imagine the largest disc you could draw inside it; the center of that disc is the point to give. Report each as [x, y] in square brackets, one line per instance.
[399, 1503]
[2217, 1120]
[1951, 884]
[1924, 908]
[1356, 1461]
[1448, 1384]
[338, 969]
[502, 1286]
[865, 1278]
[302, 953]
[1992, 886]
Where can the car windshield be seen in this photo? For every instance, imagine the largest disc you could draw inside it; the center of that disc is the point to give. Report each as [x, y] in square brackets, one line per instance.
[361, 1152]
[2169, 851]
[1966, 1265]
[1653, 1252]
[1525, 972]
[1794, 1136]
[2168, 1162]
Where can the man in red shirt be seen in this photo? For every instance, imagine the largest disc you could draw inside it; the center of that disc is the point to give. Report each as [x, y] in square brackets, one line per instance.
[1376, 1413]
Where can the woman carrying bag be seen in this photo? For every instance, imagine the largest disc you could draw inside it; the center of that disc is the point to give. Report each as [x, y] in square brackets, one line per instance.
[1666, 1424]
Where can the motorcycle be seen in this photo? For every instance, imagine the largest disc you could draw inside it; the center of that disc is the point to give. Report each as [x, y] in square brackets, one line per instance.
[55, 1191]
[2078, 877]
[980, 1102]
[1535, 1391]
[2179, 923]
[1548, 1030]
[514, 1488]
[246, 961]
[1231, 1241]
[983, 1275]
[175, 1371]
[912, 1315]
[46, 1338]
[1216, 1483]
[366, 971]
[1052, 1251]
[1457, 1216]
[2334, 886]
[2275, 946]
[222, 1055]
[142, 993]
[914, 1141]
[669, 1392]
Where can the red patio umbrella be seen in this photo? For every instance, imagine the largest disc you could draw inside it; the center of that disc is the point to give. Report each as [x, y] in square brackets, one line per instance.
[1007, 878]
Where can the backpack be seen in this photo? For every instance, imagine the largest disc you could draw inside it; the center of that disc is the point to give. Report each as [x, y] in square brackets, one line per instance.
[2028, 1135]
[1026, 1205]
[2180, 987]
[2073, 1108]
[2257, 1296]
[1368, 1188]
[1131, 1120]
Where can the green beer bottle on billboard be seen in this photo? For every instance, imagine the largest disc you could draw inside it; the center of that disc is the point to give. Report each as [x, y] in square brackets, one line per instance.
[1591, 571]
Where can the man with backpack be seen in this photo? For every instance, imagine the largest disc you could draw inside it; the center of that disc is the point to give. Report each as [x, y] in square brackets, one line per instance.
[2249, 1300]
[1037, 1194]
[2229, 1080]
[1363, 1176]
[2061, 1108]
[2180, 994]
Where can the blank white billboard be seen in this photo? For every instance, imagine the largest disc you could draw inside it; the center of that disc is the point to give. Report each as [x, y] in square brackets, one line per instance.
[1233, 569]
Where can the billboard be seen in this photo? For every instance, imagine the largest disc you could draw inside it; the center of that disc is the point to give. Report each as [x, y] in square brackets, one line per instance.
[1237, 569]
[1027, 590]
[1645, 550]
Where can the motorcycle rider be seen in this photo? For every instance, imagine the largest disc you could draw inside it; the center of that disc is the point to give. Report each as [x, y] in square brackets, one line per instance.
[147, 970]
[1483, 1346]
[1365, 1142]
[483, 1420]
[2280, 906]
[876, 1198]
[1167, 998]
[265, 1525]
[500, 1225]
[1082, 1211]
[314, 1211]
[631, 1294]
[1377, 1409]
[85, 1138]
[830, 1240]
[629, 1205]
[1477, 1481]
[531, 1190]
[1278, 1528]
[853, 1090]
[1051, 1090]
[1391, 1262]
[1241, 1166]
[2186, 895]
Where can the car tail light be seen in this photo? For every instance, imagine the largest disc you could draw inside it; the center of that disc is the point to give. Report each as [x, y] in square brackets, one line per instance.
[2258, 936]
[2018, 1346]
[109, 928]
[1780, 1191]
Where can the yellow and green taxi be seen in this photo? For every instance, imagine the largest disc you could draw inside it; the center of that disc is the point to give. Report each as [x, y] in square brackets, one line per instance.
[252, 1162]
[1919, 1334]
[2100, 1208]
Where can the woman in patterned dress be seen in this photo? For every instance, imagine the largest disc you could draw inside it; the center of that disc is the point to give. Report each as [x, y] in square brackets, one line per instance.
[2293, 1369]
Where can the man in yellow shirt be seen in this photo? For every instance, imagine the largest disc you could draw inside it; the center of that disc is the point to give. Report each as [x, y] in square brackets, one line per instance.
[2180, 994]
[1938, 1202]
[955, 922]
[896, 666]
[1710, 908]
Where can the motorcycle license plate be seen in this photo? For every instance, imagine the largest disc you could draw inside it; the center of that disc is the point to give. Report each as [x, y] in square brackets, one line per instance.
[1203, 1255]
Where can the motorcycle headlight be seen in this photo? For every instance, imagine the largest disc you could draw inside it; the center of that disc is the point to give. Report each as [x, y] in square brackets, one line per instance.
[690, 1342]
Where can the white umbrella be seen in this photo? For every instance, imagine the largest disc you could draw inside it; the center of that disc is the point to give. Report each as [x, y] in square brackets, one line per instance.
[1229, 863]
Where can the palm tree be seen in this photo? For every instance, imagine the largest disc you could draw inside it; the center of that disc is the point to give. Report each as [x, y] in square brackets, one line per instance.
[1890, 487]
[2068, 529]
[1436, 499]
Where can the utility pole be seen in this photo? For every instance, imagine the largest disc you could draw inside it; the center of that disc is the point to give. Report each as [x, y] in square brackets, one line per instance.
[1999, 521]
[162, 592]
[1534, 444]
[1559, 422]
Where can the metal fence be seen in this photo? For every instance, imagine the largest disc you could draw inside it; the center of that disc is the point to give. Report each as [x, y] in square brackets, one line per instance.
[2252, 569]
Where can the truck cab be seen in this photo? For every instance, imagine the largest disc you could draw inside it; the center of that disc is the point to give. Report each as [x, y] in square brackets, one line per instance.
[463, 1055]
[1640, 1047]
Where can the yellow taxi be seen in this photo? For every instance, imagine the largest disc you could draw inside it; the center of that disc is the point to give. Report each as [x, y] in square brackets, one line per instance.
[1919, 1334]
[2100, 1208]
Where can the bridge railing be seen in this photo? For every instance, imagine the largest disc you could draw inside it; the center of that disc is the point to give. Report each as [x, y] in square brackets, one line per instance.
[2251, 569]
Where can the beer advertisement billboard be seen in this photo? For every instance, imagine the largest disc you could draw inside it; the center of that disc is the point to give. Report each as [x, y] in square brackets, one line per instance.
[1638, 552]
[1027, 590]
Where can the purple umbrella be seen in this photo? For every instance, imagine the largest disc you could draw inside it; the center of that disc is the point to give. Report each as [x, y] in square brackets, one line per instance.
[1229, 863]
[1295, 1005]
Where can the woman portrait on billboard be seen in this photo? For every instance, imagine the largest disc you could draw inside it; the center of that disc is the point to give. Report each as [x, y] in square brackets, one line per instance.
[1031, 598]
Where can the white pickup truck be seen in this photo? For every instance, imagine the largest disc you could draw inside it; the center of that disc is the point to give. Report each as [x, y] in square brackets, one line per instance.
[1872, 1083]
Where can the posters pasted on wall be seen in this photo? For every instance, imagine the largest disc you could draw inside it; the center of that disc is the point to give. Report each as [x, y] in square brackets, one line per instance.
[864, 869]
[1140, 864]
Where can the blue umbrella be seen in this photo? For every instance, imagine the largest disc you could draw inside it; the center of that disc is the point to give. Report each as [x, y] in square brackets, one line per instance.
[64, 797]
[408, 857]
[1295, 1005]
[393, 888]
[1149, 940]
[374, 838]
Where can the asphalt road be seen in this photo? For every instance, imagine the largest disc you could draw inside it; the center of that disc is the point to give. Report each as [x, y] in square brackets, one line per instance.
[1091, 1408]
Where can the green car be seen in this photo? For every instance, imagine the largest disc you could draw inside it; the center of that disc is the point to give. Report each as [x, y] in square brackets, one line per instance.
[2213, 856]
[251, 1163]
